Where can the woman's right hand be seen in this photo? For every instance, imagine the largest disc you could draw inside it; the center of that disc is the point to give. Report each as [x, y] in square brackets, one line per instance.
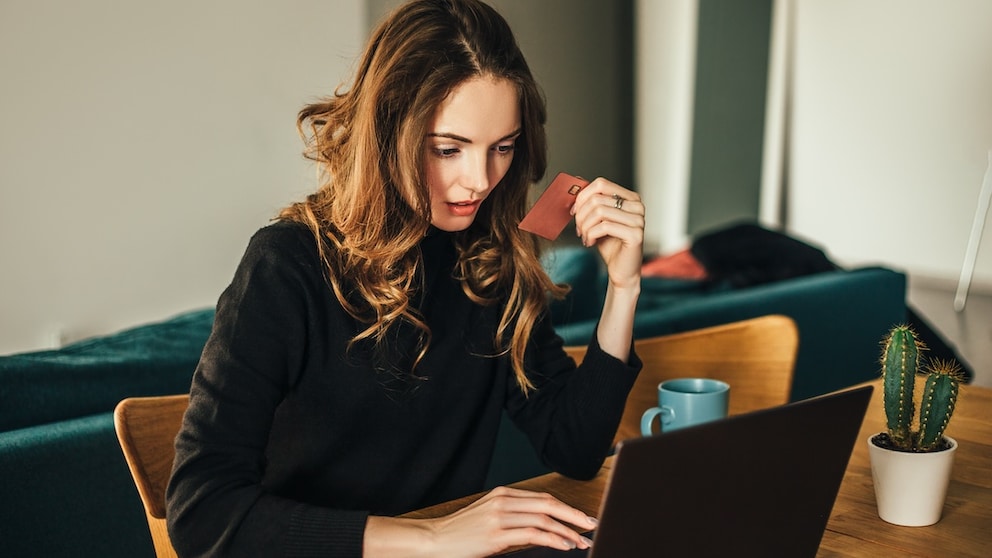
[502, 519]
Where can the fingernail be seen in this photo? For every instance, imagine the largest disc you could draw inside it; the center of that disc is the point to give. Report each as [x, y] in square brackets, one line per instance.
[588, 542]
[569, 544]
[592, 521]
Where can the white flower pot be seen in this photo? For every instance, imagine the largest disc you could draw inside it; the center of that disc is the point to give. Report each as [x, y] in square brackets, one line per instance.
[910, 488]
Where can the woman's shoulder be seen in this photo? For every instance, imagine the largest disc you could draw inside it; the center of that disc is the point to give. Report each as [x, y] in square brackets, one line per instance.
[281, 244]
[283, 234]
[283, 238]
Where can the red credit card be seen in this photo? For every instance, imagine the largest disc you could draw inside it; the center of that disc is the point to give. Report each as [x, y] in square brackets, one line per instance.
[552, 211]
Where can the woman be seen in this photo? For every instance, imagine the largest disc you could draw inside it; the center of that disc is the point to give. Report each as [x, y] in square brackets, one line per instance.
[370, 339]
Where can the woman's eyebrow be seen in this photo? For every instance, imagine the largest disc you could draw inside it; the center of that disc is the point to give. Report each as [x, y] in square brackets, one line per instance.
[463, 139]
[511, 135]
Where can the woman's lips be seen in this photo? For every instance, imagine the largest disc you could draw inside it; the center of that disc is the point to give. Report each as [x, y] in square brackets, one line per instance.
[464, 208]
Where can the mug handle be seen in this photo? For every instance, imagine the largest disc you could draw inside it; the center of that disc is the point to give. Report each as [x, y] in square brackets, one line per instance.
[667, 415]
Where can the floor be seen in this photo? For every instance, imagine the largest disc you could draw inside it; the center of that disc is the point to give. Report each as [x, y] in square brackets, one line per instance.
[969, 331]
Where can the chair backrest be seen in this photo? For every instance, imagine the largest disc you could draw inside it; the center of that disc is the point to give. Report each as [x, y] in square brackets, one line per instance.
[756, 357]
[146, 429]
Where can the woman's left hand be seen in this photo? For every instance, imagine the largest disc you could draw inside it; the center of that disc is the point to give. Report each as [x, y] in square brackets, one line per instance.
[612, 217]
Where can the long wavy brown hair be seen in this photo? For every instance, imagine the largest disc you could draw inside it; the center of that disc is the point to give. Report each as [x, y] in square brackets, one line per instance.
[373, 206]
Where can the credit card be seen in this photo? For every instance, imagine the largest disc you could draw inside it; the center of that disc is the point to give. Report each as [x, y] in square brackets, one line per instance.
[552, 211]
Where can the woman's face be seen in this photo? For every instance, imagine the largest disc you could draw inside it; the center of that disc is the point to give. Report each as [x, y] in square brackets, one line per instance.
[469, 148]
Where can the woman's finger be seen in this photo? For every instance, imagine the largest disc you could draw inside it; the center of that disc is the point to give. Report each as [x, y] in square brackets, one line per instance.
[598, 221]
[604, 201]
[514, 500]
[506, 518]
[630, 214]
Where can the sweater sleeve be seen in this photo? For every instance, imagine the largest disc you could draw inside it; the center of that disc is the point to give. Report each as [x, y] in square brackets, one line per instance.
[216, 502]
[573, 415]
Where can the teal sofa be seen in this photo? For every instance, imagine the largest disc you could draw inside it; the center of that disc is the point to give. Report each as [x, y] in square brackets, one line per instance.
[841, 315]
[66, 488]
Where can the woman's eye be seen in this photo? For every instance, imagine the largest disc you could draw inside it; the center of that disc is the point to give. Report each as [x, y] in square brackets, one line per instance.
[445, 151]
[505, 148]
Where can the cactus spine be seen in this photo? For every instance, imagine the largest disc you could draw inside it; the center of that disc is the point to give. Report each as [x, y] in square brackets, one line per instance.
[900, 363]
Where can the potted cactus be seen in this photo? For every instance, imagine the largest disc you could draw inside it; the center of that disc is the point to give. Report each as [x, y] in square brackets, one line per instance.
[911, 462]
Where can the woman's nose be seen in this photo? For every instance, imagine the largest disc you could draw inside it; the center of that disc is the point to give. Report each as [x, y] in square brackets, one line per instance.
[476, 175]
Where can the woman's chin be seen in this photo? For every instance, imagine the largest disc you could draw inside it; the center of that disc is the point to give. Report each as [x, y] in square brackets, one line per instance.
[452, 225]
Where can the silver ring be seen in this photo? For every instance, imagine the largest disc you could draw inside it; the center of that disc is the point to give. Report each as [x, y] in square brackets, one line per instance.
[617, 201]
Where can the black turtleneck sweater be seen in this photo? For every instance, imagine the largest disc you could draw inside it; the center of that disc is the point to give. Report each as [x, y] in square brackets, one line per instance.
[292, 439]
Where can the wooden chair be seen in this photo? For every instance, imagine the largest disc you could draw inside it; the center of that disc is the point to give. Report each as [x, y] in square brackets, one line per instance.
[756, 357]
[146, 429]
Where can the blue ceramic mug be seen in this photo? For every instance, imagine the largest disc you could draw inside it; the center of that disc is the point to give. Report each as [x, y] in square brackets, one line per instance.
[687, 401]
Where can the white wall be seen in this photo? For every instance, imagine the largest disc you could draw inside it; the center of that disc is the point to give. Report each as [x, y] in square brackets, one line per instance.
[663, 92]
[892, 124]
[142, 143]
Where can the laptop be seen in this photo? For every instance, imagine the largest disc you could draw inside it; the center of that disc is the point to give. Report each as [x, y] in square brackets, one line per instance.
[757, 484]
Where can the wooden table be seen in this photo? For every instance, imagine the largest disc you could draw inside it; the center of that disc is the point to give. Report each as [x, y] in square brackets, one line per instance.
[965, 529]
[854, 528]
